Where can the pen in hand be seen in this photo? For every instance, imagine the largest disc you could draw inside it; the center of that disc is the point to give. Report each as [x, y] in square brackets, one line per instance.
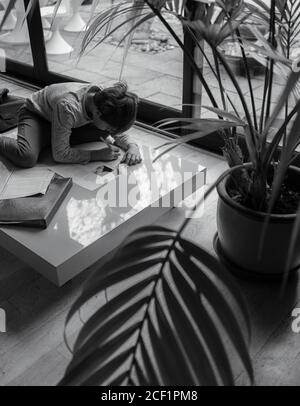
[106, 142]
[114, 152]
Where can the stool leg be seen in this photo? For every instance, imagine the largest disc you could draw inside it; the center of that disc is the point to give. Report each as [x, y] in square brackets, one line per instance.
[58, 45]
[76, 23]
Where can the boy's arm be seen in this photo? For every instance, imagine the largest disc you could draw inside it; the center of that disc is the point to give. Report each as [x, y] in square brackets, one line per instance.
[62, 123]
[123, 141]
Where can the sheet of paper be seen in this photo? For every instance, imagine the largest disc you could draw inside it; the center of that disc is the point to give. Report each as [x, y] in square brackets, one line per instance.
[89, 176]
[16, 183]
[79, 174]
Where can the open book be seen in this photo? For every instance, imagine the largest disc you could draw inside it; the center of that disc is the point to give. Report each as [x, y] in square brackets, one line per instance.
[16, 183]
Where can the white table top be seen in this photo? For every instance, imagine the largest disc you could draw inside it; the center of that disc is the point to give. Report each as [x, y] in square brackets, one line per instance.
[85, 216]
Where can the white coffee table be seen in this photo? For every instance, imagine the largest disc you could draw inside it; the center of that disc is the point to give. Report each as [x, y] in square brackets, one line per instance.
[85, 228]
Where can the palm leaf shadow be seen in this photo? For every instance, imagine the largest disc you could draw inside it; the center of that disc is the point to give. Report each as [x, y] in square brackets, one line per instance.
[161, 327]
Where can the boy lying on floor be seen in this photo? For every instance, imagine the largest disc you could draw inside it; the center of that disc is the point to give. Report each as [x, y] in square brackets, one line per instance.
[67, 114]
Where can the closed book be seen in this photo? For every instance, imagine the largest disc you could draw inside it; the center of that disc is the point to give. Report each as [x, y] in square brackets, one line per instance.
[35, 211]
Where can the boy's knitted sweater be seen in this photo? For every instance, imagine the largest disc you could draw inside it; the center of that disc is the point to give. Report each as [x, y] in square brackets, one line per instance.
[64, 106]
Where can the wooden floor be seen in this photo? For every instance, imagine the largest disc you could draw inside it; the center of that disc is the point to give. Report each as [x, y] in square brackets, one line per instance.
[32, 352]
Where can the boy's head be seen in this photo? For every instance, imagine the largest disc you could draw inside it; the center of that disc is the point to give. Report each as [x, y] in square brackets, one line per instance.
[117, 107]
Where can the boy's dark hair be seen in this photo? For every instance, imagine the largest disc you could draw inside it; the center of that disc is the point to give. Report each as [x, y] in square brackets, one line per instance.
[117, 106]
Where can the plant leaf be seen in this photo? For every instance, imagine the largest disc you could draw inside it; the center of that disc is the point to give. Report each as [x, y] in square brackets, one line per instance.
[206, 287]
[210, 334]
[144, 328]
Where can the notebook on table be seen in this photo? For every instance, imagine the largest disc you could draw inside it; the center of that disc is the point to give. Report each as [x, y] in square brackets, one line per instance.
[30, 197]
[35, 211]
[16, 182]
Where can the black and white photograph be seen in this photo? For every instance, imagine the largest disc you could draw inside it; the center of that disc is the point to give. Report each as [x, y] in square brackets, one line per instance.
[149, 196]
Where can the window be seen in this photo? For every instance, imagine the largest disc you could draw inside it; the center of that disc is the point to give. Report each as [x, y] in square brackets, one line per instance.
[14, 36]
[154, 66]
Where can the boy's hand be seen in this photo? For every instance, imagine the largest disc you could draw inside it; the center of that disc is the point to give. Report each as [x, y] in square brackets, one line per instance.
[114, 149]
[106, 154]
[132, 155]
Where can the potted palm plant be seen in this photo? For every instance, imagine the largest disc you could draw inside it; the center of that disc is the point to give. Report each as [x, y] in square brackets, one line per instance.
[258, 226]
[258, 215]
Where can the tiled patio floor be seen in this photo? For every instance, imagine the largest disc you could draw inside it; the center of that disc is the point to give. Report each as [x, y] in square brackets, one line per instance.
[156, 77]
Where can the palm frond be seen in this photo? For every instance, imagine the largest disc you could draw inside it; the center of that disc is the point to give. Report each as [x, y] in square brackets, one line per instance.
[165, 326]
[280, 174]
[290, 23]
[198, 128]
[28, 9]
[292, 247]
[286, 156]
[290, 85]
[134, 23]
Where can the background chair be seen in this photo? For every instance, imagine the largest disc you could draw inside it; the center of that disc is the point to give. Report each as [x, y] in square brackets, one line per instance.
[57, 44]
